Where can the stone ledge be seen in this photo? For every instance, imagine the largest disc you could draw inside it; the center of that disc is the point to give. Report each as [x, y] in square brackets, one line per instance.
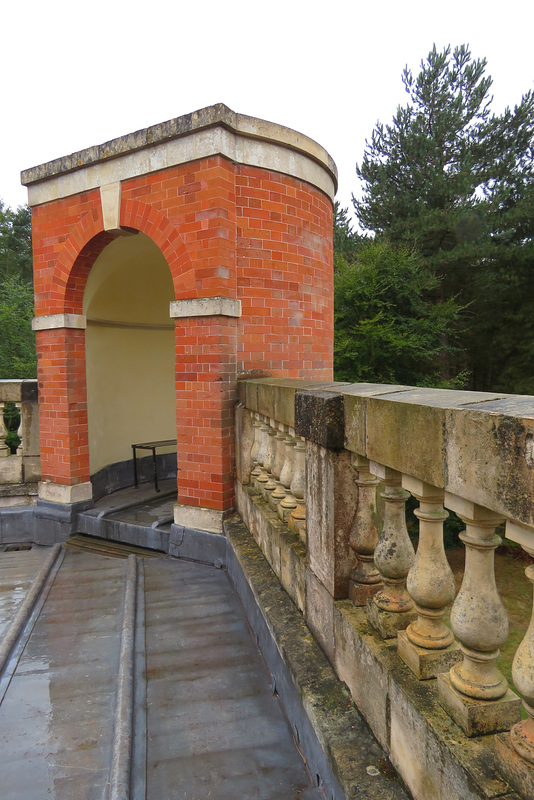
[347, 746]
[283, 549]
[433, 756]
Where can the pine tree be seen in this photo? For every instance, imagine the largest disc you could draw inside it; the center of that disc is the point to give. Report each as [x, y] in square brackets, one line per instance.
[456, 181]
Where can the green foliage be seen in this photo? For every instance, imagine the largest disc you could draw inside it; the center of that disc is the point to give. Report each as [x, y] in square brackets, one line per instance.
[12, 421]
[17, 342]
[346, 241]
[15, 242]
[455, 181]
[387, 328]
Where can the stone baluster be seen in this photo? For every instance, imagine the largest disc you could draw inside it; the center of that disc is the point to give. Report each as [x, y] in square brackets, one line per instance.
[279, 492]
[256, 424]
[297, 518]
[474, 692]
[20, 448]
[427, 645]
[268, 464]
[514, 752]
[263, 452]
[391, 609]
[4, 449]
[288, 503]
[365, 579]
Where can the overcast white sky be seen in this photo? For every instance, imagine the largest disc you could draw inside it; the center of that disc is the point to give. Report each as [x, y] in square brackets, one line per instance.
[78, 74]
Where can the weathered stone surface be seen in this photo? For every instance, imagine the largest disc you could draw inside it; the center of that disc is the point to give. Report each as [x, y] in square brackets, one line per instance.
[244, 438]
[319, 417]
[424, 663]
[477, 717]
[355, 411]
[320, 614]
[363, 661]
[518, 772]
[283, 550]
[388, 623]
[330, 507]
[490, 456]
[204, 118]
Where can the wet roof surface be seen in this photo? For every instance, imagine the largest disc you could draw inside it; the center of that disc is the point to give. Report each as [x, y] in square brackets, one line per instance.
[206, 721]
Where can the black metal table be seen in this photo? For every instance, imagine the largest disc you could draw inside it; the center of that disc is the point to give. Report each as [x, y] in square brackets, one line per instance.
[150, 446]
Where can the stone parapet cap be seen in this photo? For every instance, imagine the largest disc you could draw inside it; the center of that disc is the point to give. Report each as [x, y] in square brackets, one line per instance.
[249, 141]
[205, 307]
[477, 446]
[19, 391]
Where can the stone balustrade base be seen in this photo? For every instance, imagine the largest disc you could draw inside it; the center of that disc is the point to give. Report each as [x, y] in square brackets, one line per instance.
[477, 717]
[518, 772]
[283, 549]
[426, 664]
[388, 623]
[360, 593]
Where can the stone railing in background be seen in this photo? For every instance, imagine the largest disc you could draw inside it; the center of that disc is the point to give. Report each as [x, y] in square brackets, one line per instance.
[21, 471]
[310, 459]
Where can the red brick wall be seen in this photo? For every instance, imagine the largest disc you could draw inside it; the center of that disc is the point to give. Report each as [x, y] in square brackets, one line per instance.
[63, 406]
[285, 277]
[236, 231]
[205, 396]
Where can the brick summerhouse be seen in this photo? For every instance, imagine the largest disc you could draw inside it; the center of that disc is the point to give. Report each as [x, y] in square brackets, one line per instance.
[167, 264]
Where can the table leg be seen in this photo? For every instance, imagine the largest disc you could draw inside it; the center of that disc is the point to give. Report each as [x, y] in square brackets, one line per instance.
[155, 469]
[135, 465]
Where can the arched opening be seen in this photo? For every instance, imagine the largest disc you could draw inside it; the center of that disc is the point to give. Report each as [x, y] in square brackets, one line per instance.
[130, 355]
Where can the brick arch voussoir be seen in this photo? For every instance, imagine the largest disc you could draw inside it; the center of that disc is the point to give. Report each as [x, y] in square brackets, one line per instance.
[84, 243]
[152, 222]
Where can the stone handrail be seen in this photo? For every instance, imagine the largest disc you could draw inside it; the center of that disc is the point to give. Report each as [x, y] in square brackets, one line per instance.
[469, 452]
[20, 471]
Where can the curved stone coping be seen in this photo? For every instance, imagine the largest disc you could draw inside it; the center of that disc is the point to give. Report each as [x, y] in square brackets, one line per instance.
[215, 130]
[478, 446]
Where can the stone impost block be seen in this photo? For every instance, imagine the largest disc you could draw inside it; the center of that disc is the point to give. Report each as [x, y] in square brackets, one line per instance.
[320, 418]
[331, 496]
[478, 717]
[56, 321]
[205, 307]
[388, 623]
[516, 770]
[426, 664]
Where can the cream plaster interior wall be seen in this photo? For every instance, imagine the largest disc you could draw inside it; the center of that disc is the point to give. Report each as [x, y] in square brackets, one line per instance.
[129, 350]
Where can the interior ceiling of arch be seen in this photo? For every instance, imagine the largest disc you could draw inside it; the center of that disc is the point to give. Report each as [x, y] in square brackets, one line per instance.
[129, 282]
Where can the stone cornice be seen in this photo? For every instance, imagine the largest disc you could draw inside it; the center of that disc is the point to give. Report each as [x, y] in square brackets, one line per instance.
[248, 140]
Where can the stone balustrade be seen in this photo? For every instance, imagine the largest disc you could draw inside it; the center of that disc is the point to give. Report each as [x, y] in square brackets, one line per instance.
[20, 471]
[324, 471]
